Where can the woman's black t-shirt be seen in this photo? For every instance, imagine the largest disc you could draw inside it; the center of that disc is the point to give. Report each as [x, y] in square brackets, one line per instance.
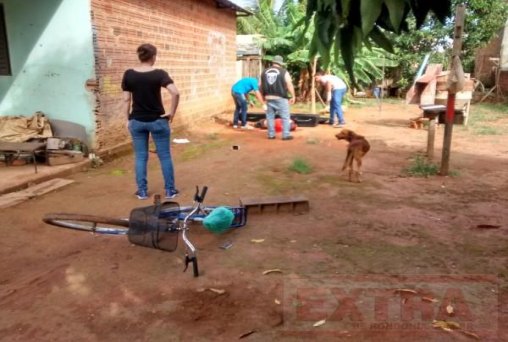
[146, 93]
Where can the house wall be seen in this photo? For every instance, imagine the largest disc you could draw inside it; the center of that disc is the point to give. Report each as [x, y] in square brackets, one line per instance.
[484, 67]
[196, 45]
[51, 54]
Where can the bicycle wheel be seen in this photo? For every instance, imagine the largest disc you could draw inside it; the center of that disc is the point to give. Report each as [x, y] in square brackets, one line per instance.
[88, 223]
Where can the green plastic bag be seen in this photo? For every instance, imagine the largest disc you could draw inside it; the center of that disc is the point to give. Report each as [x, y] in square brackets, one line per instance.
[219, 220]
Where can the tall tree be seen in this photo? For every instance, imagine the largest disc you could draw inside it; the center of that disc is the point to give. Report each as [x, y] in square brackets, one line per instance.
[346, 25]
[484, 19]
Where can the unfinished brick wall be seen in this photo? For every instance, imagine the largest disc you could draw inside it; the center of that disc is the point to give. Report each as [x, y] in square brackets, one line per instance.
[196, 45]
[484, 67]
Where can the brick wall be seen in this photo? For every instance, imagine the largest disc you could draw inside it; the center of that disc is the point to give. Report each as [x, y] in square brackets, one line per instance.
[196, 45]
[483, 65]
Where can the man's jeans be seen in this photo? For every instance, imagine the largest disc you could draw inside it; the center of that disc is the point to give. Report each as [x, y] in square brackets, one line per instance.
[281, 107]
[160, 131]
[336, 106]
[241, 109]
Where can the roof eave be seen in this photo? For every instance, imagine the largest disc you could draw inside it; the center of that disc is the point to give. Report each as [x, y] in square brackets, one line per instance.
[240, 11]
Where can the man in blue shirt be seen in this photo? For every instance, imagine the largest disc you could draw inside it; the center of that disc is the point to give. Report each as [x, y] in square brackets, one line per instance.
[239, 91]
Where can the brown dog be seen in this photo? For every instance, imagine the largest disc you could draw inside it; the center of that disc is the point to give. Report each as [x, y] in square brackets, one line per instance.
[356, 150]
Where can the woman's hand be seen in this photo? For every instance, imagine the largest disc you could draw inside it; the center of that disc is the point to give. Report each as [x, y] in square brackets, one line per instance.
[168, 116]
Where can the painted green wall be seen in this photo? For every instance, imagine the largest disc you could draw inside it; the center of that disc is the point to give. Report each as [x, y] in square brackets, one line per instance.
[51, 52]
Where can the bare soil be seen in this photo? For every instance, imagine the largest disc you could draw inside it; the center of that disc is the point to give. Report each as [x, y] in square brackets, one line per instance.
[378, 260]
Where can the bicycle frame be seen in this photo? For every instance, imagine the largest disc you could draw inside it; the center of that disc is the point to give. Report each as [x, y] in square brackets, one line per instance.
[190, 254]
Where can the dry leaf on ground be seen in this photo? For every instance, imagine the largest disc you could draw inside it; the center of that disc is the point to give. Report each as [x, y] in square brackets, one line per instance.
[429, 299]
[319, 323]
[470, 334]
[406, 291]
[275, 270]
[218, 291]
[449, 309]
[446, 325]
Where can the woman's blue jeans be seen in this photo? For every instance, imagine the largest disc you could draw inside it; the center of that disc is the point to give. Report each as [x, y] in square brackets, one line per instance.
[161, 132]
[336, 106]
[240, 109]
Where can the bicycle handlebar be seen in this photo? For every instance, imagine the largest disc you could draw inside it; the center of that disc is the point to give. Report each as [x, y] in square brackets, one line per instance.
[200, 197]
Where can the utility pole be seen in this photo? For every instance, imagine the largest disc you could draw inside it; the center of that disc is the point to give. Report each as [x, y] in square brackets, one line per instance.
[455, 84]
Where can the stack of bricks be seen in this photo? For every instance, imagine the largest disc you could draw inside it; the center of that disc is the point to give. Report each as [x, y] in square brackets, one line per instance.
[196, 45]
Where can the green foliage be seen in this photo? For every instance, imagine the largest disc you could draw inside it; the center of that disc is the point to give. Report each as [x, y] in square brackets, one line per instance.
[483, 20]
[284, 33]
[345, 25]
[275, 28]
[301, 166]
[421, 167]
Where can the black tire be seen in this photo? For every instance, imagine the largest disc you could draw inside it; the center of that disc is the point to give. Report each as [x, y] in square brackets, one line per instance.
[88, 223]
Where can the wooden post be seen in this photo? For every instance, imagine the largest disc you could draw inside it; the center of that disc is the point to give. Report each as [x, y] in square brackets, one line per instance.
[450, 103]
[431, 136]
[313, 86]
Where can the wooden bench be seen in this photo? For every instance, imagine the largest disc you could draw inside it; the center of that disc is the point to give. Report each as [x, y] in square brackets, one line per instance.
[10, 150]
[296, 204]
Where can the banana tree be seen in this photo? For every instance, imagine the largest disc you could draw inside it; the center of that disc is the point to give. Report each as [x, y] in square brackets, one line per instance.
[344, 26]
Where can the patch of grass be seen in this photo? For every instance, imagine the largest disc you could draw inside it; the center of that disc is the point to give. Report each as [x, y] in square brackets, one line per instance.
[453, 173]
[300, 165]
[213, 136]
[483, 116]
[275, 184]
[421, 167]
[487, 130]
[312, 141]
[118, 172]
[197, 150]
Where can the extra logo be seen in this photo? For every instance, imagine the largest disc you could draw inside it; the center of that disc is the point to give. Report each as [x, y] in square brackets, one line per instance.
[271, 75]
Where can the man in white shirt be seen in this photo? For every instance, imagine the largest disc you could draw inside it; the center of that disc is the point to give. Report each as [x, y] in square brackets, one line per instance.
[335, 90]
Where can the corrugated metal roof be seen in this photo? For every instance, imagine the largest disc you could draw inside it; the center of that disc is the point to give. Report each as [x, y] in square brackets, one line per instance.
[233, 5]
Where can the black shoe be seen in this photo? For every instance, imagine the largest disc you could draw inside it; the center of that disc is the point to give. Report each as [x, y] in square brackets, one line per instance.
[271, 138]
[289, 137]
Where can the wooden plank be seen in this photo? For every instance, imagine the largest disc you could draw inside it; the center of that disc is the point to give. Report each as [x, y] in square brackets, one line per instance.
[13, 198]
[272, 200]
[276, 204]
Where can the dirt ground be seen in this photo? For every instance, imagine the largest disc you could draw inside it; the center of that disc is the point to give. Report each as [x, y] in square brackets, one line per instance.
[379, 260]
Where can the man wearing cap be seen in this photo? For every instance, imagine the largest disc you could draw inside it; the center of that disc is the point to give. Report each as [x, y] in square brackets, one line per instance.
[335, 90]
[278, 91]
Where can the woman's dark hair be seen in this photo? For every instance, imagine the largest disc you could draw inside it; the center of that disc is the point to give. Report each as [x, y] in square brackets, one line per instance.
[146, 52]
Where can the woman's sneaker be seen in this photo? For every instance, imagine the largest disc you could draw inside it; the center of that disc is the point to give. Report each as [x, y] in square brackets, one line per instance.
[172, 193]
[142, 194]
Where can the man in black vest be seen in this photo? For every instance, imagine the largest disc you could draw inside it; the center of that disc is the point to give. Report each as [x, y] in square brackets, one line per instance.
[278, 92]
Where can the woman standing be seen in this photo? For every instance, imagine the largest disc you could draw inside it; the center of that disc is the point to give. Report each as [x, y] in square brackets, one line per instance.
[144, 109]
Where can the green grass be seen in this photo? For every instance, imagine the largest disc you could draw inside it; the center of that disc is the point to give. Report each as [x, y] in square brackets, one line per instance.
[197, 150]
[313, 141]
[421, 167]
[300, 165]
[483, 119]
